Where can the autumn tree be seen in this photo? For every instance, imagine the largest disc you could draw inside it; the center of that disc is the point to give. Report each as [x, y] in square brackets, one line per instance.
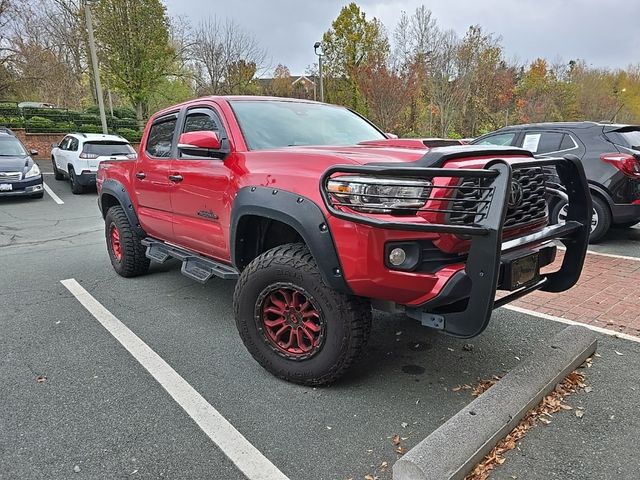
[281, 84]
[348, 46]
[134, 48]
[225, 58]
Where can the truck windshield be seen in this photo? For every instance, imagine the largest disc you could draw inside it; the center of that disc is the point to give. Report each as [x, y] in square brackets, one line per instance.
[277, 124]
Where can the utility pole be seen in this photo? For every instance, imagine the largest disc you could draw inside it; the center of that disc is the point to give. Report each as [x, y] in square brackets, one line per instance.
[96, 72]
[316, 46]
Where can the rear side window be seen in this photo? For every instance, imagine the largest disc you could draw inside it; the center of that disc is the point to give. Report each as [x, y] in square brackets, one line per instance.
[500, 139]
[160, 138]
[108, 149]
[73, 145]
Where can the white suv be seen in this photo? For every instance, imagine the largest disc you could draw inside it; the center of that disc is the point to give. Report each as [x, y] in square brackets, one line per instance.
[78, 155]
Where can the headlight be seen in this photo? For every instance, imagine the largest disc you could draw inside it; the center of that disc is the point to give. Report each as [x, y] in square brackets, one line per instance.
[34, 171]
[379, 194]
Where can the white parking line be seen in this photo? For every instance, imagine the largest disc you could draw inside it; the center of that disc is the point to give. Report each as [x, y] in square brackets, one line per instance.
[53, 196]
[253, 464]
[566, 321]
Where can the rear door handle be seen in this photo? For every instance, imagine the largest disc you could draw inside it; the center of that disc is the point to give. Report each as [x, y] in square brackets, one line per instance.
[141, 175]
[175, 178]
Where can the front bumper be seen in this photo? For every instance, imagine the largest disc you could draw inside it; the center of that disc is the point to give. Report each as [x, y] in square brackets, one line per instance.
[28, 187]
[487, 252]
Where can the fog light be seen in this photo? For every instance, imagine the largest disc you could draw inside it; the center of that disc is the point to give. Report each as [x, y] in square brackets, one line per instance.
[397, 256]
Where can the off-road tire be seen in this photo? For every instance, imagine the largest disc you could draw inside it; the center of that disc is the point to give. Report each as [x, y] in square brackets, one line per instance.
[76, 188]
[133, 261]
[347, 318]
[57, 174]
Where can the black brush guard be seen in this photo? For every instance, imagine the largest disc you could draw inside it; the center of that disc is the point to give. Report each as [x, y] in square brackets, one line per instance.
[484, 256]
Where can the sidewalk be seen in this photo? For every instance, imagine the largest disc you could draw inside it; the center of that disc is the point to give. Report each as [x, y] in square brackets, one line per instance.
[607, 295]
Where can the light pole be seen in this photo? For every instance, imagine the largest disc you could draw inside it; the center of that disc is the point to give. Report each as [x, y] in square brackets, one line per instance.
[316, 46]
[94, 62]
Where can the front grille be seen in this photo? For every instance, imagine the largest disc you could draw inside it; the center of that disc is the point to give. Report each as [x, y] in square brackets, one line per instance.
[10, 176]
[528, 205]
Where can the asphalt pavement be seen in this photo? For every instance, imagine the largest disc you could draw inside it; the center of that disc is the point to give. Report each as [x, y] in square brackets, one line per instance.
[76, 404]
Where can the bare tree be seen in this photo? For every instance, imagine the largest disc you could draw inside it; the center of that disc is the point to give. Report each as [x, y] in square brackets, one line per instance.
[225, 57]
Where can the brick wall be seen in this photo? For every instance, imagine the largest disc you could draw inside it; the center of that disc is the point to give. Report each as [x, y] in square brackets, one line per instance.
[42, 141]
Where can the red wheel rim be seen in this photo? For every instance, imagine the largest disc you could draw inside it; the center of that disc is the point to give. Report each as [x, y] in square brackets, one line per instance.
[114, 238]
[291, 322]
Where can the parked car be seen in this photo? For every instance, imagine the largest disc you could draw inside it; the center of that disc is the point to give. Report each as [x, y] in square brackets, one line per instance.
[78, 155]
[19, 174]
[610, 154]
[319, 215]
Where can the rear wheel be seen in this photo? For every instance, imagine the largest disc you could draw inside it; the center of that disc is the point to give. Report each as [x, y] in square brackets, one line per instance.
[600, 219]
[295, 326]
[57, 174]
[76, 188]
[126, 252]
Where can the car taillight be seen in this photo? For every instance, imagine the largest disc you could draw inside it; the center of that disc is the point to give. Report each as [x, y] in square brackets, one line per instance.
[88, 156]
[626, 163]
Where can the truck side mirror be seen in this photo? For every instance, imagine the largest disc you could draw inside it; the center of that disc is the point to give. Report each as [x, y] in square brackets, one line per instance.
[203, 140]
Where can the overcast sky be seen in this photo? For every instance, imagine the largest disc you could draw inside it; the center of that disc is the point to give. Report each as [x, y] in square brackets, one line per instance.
[605, 33]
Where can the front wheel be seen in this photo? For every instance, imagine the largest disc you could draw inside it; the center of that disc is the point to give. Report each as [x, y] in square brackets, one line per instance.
[600, 218]
[126, 252]
[295, 326]
[57, 174]
[76, 188]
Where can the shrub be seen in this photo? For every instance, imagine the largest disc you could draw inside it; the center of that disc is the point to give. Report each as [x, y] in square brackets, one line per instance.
[124, 112]
[90, 128]
[11, 122]
[130, 134]
[39, 124]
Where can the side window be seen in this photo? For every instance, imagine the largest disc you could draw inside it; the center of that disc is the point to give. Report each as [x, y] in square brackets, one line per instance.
[73, 144]
[198, 122]
[64, 144]
[567, 142]
[543, 142]
[161, 138]
[202, 120]
[505, 139]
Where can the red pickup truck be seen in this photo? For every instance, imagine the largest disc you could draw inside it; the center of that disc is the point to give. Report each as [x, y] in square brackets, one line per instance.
[320, 216]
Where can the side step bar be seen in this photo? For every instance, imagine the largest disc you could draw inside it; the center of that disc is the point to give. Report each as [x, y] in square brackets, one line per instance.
[194, 266]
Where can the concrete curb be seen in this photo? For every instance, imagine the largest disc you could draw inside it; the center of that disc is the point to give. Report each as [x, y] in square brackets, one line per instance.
[452, 450]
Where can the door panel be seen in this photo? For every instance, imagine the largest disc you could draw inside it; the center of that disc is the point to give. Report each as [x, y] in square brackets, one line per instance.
[201, 200]
[151, 179]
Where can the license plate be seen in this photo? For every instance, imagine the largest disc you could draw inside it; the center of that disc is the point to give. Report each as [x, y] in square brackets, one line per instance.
[6, 187]
[524, 270]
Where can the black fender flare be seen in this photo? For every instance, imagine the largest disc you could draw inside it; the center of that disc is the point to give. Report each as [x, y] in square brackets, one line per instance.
[301, 214]
[117, 190]
[603, 193]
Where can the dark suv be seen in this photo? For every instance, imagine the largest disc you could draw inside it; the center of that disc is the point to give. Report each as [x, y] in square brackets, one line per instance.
[610, 154]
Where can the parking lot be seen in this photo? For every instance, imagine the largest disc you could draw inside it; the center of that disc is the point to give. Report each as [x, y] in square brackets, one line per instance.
[76, 403]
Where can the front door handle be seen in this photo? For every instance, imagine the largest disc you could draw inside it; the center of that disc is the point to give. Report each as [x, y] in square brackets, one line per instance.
[141, 175]
[175, 178]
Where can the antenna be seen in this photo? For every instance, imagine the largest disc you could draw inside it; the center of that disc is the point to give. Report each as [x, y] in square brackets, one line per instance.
[616, 114]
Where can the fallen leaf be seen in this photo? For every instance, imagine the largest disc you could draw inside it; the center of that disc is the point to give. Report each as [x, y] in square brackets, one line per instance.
[456, 389]
[41, 379]
[588, 389]
[545, 421]
[401, 450]
[328, 427]
[369, 477]
[396, 439]
[384, 465]
[450, 349]
[404, 424]
[467, 347]
[566, 407]
[579, 413]
[618, 353]
[399, 333]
